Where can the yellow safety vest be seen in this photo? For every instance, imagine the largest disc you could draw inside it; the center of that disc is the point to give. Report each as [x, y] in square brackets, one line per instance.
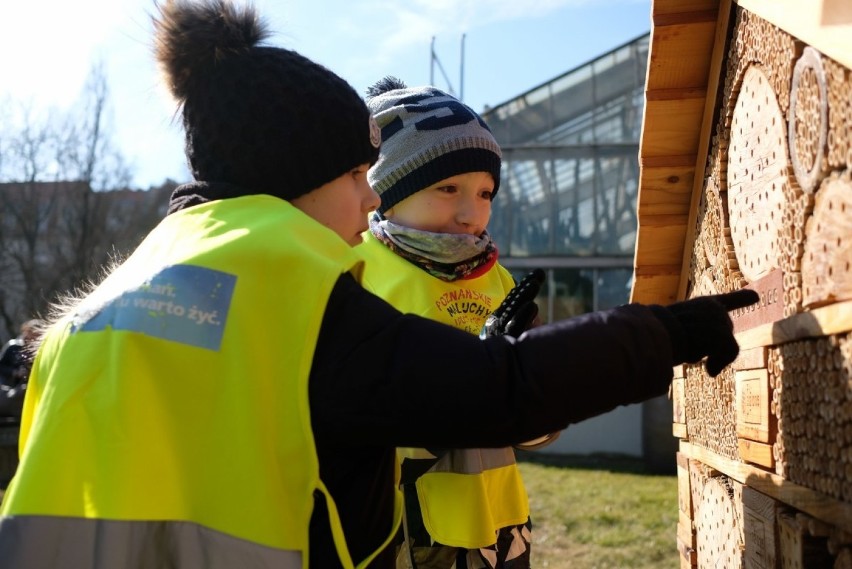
[178, 393]
[469, 494]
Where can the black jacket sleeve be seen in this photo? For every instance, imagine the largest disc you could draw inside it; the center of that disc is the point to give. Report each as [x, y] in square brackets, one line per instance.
[386, 378]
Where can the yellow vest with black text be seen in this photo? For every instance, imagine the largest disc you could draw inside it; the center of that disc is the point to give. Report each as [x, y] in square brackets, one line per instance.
[469, 494]
[176, 399]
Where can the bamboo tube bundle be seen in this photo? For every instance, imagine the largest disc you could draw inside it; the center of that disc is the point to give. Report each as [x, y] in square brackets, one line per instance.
[712, 236]
[827, 252]
[711, 410]
[839, 140]
[699, 261]
[717, 158]
[815, 423]
[786, 50]
[735, 64]
[797, 207]
[808, 127]
[757, 176]
[720, 248]
[754, 40]
[775, 369]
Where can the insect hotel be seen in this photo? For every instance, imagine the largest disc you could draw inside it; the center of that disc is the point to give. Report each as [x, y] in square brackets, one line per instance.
[746, 182]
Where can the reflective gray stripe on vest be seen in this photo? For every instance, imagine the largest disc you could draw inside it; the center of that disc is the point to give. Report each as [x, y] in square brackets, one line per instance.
[53, 542]
[474, 460]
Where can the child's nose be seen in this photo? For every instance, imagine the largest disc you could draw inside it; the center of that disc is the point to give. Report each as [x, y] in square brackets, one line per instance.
[373, 200]
[466, 214]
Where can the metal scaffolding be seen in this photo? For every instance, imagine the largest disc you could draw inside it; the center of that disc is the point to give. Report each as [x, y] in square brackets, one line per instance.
[570, 176]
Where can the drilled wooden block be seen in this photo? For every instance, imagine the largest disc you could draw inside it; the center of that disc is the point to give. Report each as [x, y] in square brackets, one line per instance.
[718, 537]
[759, 530]
[757, 175]
[753, 396]
[797, 548]
[769, 308]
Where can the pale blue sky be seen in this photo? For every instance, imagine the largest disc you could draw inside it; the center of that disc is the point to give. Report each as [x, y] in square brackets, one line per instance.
[511, 46]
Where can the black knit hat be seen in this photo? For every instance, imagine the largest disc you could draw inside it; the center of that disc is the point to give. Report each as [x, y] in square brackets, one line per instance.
[263, 118]
[427, 136]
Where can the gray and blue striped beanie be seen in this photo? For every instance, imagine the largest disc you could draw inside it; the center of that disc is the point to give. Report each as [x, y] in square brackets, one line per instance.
[427, 135]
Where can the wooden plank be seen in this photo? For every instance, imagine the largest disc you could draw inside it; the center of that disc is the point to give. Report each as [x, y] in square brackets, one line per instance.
[752, 358]
[832, 319]
[665, 190]
[679, 400]
[679, 6]
[680, 431]
[770, 307]
[687, 552]
[756, 453]
[656, 289]
[672, 127]
[818, 505]
[685, 531]
[759, 520]
[824, 24]
[672, 161]
[678, 18]
[679, 55]
[655, 270]
[676, 94]
[664, 242]
[684, 495]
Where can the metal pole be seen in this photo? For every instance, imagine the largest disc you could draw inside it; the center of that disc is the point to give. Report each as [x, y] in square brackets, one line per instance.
[461, 71]
[432, 62]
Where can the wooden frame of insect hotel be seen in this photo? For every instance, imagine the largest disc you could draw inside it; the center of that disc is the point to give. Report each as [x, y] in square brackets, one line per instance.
[746, 182]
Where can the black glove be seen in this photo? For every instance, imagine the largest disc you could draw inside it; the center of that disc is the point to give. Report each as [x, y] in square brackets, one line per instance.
[518, 309]
[701, 327]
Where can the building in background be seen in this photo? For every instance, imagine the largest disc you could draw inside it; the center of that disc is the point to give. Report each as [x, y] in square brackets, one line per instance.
[567, 204]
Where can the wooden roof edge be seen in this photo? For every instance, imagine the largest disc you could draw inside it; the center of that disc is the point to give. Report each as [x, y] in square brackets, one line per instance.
[714, 77]
[685, 17]
[672, 288]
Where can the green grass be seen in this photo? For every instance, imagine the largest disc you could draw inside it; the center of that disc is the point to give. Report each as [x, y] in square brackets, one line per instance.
[600, 513]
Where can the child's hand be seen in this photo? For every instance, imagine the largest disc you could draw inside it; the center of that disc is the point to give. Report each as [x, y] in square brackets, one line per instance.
[517, 311]
[700, 327]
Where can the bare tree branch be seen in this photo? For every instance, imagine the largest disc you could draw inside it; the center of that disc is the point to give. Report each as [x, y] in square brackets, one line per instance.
[65, 205]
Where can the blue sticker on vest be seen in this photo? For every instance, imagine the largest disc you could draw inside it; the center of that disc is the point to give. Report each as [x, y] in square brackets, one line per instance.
[181, 303]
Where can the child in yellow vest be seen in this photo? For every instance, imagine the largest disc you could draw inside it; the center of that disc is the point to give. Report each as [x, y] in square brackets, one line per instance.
[428, 253]
[231, 396]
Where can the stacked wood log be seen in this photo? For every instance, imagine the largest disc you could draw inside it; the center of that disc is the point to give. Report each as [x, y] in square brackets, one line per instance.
[827, 254]
[766, 453]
